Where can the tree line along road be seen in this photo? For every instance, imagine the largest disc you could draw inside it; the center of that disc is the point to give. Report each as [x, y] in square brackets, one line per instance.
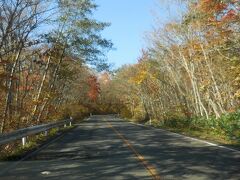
[106, 147]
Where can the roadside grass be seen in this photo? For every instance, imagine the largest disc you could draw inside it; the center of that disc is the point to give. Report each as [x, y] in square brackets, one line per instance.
[224, 130]
[16, 151]
[204, 134]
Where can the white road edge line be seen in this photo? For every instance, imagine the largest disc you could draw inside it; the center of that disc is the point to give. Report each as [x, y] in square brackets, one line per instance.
[187, 137]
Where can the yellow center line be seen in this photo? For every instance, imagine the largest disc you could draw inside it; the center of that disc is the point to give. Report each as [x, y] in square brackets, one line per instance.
[151, 170]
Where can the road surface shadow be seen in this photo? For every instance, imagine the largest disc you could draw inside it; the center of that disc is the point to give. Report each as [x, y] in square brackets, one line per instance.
[179, 157]
[94, 151]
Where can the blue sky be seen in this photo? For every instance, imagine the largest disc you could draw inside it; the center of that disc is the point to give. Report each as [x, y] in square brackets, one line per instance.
[130, 20]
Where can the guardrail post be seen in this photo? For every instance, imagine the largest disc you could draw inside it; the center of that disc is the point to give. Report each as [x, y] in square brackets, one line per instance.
[70, 123]
[24, 141]
[45, 133]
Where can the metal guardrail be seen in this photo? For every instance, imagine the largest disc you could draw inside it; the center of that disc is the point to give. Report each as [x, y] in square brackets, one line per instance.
[23, 133]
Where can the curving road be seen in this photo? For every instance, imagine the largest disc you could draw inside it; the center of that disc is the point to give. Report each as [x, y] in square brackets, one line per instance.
[105, 147]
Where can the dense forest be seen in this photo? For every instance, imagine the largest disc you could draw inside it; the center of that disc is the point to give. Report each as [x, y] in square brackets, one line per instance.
[189, 76]
[51, 53]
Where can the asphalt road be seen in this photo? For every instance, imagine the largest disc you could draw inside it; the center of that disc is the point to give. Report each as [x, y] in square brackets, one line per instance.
[104, 147]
